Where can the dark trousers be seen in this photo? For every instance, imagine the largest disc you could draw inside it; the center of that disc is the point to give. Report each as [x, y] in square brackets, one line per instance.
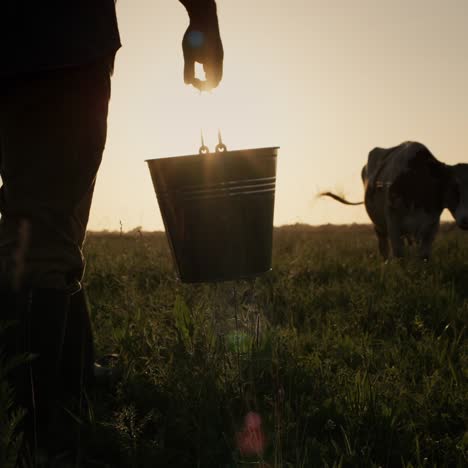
[52, 135]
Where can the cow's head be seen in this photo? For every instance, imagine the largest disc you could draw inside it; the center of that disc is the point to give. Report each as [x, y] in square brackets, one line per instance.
[457, 196]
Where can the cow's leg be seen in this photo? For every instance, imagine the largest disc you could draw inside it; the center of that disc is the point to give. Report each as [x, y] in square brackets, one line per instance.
[427, 238]
[394, 210]
[396, 239]
[398, 247]
[383, 243]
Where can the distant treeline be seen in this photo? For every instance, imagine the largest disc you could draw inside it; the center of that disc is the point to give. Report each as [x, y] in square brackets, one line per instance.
[445, 226]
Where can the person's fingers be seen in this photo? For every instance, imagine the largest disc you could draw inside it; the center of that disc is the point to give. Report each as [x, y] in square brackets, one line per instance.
[189, 70]
[213, 72]
[204, 47]
[213, 65]
[189, 58]
[199, 84]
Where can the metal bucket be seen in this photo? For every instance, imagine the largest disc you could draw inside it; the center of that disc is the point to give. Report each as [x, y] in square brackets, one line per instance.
[217, 209]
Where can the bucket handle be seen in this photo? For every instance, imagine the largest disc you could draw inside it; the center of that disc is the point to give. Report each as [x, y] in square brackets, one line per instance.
[220, 147]
[204, 149]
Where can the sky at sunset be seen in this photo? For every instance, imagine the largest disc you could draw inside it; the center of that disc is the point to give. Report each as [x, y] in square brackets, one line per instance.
[326, 80]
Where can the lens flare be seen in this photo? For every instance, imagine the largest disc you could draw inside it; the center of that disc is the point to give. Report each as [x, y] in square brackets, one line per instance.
[251, 440]
[195, 39]
[238, 341]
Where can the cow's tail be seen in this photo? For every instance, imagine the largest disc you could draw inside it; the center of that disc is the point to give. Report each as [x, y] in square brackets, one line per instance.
[338, 198]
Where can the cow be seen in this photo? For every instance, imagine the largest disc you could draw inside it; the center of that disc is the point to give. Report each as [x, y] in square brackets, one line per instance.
[405, 191]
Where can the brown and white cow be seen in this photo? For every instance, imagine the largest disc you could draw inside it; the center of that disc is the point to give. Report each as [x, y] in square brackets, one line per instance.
[405, 191]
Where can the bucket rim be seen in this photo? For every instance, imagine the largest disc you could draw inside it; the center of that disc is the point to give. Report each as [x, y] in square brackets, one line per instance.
[211, 154]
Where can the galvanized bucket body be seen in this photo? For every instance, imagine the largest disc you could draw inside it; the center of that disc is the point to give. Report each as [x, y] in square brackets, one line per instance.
[218, 209]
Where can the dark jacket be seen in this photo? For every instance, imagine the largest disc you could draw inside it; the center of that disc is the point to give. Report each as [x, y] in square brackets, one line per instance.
[40, 35]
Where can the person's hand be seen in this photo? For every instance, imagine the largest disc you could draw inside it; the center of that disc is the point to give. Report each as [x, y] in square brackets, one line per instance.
[202, 44]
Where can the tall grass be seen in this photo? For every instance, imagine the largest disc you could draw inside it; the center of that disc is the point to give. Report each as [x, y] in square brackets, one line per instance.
[332, 359]
[11, 436]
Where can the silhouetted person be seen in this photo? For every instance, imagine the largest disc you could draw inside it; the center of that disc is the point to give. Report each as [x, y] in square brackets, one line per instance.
[56, 60]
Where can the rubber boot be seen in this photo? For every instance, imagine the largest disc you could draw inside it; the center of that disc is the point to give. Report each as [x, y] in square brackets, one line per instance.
[13, 309]
[77, 369]
[41, 317]
[48, 312]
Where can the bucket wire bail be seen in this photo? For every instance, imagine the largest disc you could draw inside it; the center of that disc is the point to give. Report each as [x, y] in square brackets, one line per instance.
[203, 148]
[220, 147]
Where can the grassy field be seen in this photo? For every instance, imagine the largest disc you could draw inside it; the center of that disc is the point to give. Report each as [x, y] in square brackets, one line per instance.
[331, 359]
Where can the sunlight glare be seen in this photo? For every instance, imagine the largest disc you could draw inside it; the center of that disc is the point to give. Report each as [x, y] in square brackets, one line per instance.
[223, 109]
